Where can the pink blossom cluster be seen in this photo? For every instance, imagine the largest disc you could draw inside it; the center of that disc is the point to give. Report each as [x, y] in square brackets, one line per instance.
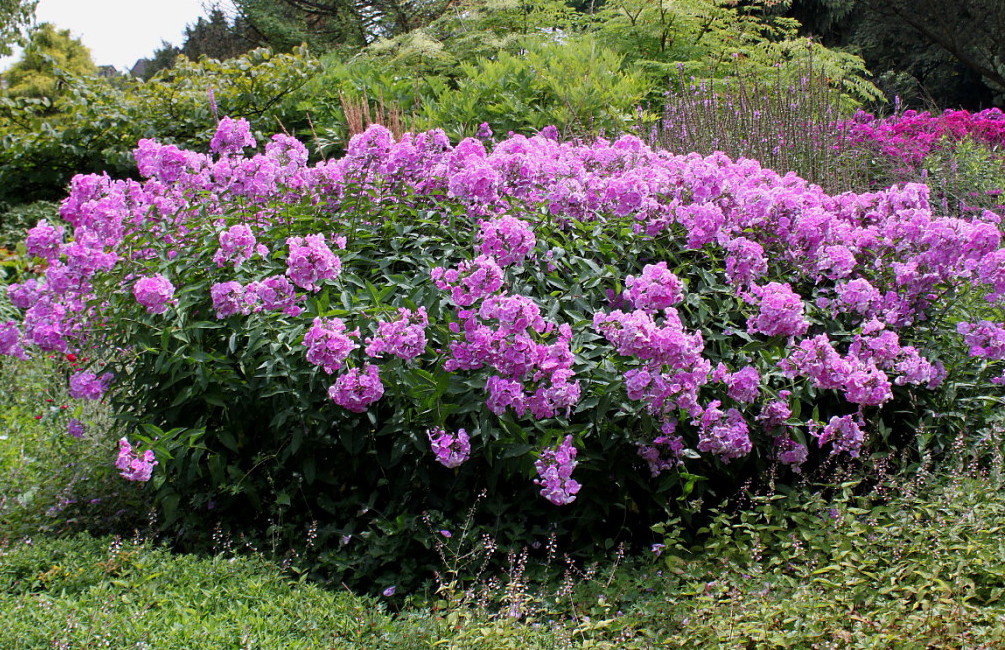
[672, 367]
[724, 434]
[843, 433]
[504, 334]
[355, 389]
[657, 288]
[10, 341]
[273, 293]
[329, 344]
[470, 281]
[403, 337]
[780, 311]
[311, 261]
[450, 449]
[910, 136]
[506, 239]
[154, 293]
[238, 244]
[664, 452]
[87, 385]
[984, 338]
[554, 470]
[132, 465]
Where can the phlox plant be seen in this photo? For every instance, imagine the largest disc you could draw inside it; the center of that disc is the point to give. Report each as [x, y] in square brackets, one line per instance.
[591, 332]
[909, 136]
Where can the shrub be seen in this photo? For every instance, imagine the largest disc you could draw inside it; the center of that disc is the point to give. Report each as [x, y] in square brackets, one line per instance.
[95, 124]
[639, 331]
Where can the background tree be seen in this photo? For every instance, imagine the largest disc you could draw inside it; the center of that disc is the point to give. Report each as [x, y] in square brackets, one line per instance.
[327, 24]
[15, 16]
[924, 51]
[217, 37]
[49, 54]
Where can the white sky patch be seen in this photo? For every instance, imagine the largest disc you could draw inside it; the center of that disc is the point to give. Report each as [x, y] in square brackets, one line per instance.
[119, 32]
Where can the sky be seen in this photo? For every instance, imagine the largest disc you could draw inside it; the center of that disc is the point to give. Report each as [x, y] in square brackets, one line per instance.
[118, 32]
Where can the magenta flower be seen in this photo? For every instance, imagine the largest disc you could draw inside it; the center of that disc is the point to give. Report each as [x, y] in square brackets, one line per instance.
[133, 466]
[311, 261]
[506, 239]
[328, 343]
[87, 385]
[231, 136]
[154, 293]
[554, 469]
[450, 449]
[355, 390]
[780, 311]
[75, 428]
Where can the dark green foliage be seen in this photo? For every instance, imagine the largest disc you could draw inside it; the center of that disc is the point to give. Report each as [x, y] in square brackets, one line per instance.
[946, 53]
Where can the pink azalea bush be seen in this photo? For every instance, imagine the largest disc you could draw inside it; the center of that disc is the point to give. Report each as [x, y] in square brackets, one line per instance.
[585, 311]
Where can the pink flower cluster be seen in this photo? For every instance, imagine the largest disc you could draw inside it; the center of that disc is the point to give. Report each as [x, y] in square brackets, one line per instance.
[780, 311]
[450, 450]
[404, 337]
[274, 293]
[311, 261]
[470, 281]
[723, 434]
[506, 239]
[356, 389]
[154, 293]
[657, 288]
[672, 367]
[87, 385]
[329, 344]
[134, 466]
[238, 244]
[910, 136]
[554, 470]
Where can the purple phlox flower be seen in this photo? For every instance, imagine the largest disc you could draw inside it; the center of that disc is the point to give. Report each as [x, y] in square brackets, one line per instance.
[780, 311]
[134, 466]
[329, 344]
[506, 239]
[231, 136]
[664, 452]
[231, 298]
[10, 341]
[154, 293]
[450, 450]
[310, 261]
[723, 434]
[776, 412]
[554, 469]
[356, 389]
[44, 241]
[238, 244]
[657, 288]
[789, 452]
[75, 428]
[743, 385]
[87, 385]
[275, 293]
[843, 433]
[404, 337]
[470, 281]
